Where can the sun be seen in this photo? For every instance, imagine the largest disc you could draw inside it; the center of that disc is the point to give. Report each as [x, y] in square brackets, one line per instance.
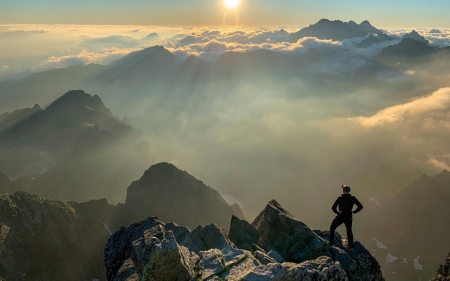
[231, 3]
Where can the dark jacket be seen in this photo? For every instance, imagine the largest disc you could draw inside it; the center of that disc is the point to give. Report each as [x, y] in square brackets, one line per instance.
[345, 205]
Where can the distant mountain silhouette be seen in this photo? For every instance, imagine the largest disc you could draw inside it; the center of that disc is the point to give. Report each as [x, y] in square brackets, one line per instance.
[404, 51]
[75, 142]
[335, 30]
[407, 225]
[374, 39]
[149, 64]
[174, 195]
[416, 36]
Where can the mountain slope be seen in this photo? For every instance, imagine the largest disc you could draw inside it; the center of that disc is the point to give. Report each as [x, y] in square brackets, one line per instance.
[414, 217]
[174, 195]
[8, 119]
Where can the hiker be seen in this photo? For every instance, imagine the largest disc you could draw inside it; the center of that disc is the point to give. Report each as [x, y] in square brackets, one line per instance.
[343, 208]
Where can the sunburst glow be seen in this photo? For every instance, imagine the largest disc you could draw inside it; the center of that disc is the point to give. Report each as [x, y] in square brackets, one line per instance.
[231, 3]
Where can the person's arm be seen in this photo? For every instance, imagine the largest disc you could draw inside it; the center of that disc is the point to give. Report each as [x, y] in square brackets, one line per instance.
[335, 205]
[359, 206]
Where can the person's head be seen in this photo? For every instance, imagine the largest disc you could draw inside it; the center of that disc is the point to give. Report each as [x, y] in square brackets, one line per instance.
[345, 189]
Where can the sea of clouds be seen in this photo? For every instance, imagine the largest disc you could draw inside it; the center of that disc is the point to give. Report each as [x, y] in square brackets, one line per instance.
[279, 141]
[32, 48]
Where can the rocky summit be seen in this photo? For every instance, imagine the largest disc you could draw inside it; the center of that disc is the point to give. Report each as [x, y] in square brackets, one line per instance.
[276, 246]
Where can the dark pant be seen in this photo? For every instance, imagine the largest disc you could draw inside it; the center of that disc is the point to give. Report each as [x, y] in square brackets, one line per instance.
[338, 220]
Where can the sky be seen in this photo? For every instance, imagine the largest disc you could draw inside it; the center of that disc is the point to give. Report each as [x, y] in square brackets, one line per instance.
[384, 13]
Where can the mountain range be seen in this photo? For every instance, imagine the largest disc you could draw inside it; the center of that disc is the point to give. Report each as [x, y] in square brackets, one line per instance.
[155, 73]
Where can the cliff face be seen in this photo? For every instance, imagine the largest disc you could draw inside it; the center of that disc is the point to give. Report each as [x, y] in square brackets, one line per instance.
[50, 240]
[153, 250]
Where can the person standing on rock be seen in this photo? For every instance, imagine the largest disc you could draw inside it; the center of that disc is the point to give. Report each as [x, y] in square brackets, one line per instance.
[343, 208]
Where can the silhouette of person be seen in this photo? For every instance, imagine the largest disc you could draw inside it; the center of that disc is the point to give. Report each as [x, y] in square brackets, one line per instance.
[343, 208]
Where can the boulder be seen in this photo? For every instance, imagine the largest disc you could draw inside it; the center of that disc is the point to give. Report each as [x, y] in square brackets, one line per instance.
[274, 255]
[182, 234]
[291, 238]
[320, 269]
[119, 247]
[263, 257]
[367, 266]
[242, 232]
[158, 257]
[211, 237]
[326, 236]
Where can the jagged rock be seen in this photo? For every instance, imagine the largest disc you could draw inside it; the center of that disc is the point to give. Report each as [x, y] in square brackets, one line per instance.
[119, 247]
[326, 236]
[218, 259]
[263, 257]
[288, 236]
[320, 269]
[211, 237]
[211, 263]
[51, 240]
[241, 232]
[443, 273]
[158, 257]
[347, 263]
[367, 266]
[243, 266]
[274, 255]
[182, 234]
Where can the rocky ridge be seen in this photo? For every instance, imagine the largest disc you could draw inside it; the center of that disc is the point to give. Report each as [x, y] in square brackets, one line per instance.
[51, 240]
[276, 246]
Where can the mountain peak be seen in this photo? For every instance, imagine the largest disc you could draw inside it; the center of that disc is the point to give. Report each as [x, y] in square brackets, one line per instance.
[163, 185]
[416, 36]
[79, 98]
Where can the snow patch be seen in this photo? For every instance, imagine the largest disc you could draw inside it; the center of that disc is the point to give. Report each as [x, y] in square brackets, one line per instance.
[379, 244]
[390, 258]
[107, 228]
[417, 265]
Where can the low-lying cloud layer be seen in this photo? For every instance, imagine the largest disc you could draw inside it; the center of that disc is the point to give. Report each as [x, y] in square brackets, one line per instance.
[56, 46]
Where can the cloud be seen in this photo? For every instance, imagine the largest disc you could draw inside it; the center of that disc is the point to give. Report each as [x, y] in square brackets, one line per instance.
[441, 165]
[435, 102]
[103, 57]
